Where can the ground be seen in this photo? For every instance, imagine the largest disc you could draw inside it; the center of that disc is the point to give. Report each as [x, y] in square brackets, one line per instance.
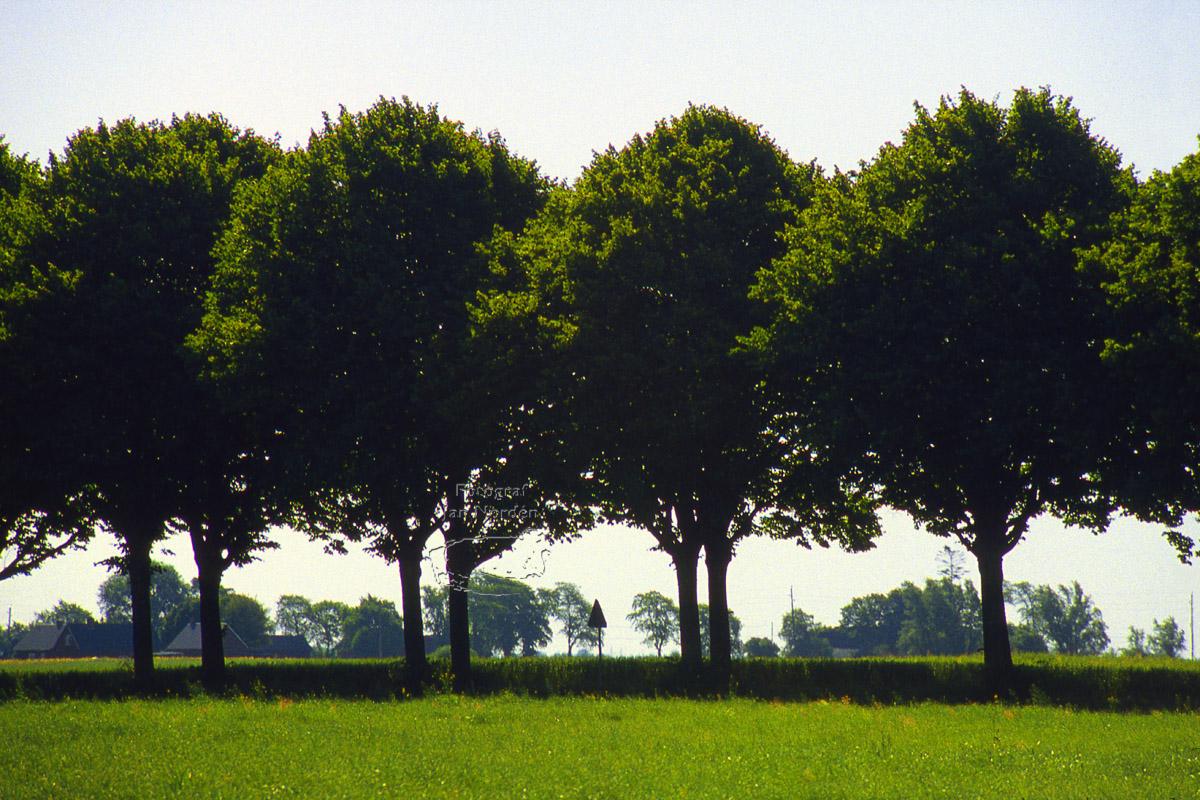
[505, 746]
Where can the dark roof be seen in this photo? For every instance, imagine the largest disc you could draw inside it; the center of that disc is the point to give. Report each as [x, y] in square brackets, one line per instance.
[284, 646]
[188, 641]
[39, 639]
[114, 639]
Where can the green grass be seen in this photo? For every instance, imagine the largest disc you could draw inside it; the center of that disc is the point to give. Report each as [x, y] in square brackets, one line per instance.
[504, 746]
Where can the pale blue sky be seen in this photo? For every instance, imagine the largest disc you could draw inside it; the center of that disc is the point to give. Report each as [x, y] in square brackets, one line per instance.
[830, 81]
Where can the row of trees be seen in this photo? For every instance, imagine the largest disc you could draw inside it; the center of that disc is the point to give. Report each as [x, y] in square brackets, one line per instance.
[403, 330]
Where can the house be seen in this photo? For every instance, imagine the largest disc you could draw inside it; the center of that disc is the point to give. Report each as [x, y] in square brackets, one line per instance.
[187, 642]
[106, 640]
[284, 646]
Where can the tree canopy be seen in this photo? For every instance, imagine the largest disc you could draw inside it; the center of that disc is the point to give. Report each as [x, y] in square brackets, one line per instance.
[340, 312]
[641, 274]
[936, 333]
[1151, 269]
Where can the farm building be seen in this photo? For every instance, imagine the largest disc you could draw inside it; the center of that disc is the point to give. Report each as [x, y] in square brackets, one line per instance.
[187, 642]
[284, 646]
[108, 640]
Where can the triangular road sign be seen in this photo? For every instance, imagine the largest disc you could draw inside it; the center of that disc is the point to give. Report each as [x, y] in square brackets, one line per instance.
[596, 620]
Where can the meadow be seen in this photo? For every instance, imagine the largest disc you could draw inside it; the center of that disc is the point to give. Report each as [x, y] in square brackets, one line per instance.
[508, 746]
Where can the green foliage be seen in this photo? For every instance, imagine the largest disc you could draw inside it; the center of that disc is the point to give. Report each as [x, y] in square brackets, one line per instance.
[340, 314]
[247, 616]
[1137, 643]
[372, 629]
[803, 636]
[293, 615]
[328, 620]
[1104, 682]
[637, 280]
[507, 616]
[566, 605]
[9, 636]
[735, 633]
[761, 647]
[1065, 617]
[935, 335]
[1152, 270]
[656, 617]
[1167, 638]
[434, 601]
[1024, 639]
[940, 619]
[64, 613]
[169, 595]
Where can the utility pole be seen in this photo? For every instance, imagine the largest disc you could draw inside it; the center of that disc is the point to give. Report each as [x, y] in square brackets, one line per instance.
[792, 597]
[1192, 605]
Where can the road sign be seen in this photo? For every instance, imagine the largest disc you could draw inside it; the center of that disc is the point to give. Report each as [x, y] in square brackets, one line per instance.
[596, 620]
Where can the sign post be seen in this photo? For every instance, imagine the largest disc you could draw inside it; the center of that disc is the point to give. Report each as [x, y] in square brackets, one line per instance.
[596, 620]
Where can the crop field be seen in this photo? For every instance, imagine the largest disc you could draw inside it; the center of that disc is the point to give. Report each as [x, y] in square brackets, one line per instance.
[506, 746]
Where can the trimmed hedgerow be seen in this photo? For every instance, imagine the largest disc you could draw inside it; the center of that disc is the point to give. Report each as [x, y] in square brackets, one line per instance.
[1095, 683]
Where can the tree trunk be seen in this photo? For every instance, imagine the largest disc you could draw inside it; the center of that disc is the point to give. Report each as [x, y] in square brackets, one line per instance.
[212, 638]
[414, 631]
[717, 555]
[997, 655]
[137, 566]
[460, 562]
[686, 558]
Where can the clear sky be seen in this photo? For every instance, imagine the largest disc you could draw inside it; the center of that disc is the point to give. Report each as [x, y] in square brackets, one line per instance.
[830, 82]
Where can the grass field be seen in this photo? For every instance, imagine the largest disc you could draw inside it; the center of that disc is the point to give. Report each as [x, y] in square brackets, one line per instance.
[505, 746]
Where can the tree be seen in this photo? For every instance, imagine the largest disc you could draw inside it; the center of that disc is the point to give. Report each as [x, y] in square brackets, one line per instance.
[1024, 639]
[1137, 643]
[735, 633]
[97, 301]
[640, 273]
[434, 600]
[494, 509]
[507, 617]
[941, 619]
[1151, 269]
[761, 647]
[938, 338]
[168, 594]
[950, 563]
[656, 617]
[9, 637]
[64, 613]
[1167, 639]
[873, 622]
[293, 616]
[247, 616]
[803, 637]
[1065, 617]
[328, 620]
[373, 629]
[567, 605]
[45, 506]
[340, 312]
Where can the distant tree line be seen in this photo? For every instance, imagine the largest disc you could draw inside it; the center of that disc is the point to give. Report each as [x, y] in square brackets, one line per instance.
[402, 330]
